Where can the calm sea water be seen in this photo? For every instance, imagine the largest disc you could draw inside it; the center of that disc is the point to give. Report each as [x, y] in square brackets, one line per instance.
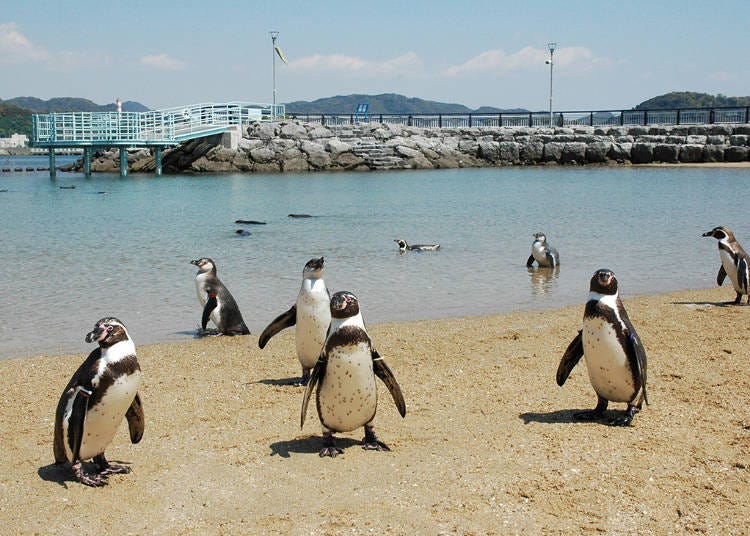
[72, 256]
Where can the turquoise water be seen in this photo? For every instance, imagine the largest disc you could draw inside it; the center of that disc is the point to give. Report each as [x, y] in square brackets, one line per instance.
[72, 256]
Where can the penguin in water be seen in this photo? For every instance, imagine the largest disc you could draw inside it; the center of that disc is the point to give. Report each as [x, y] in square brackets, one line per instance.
[101, 392]
[734, 263]
[615, 357]
[544, 254]
[403, 246]
[217, 302]
[347, 395]
[311, 316]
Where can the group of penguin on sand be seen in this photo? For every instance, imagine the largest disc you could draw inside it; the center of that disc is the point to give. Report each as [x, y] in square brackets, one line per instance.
[339, 360]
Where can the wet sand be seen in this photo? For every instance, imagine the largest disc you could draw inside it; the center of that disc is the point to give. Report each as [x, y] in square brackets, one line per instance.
[488, 445]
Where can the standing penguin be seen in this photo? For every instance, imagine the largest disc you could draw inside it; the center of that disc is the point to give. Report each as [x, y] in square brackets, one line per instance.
[615, 357]
[347, 395]
[541, 252]
[217, 302]
[311, 314]
[734, 262]
[101, 392]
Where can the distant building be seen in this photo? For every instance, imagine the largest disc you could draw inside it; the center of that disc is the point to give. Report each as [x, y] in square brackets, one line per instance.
[15, 140]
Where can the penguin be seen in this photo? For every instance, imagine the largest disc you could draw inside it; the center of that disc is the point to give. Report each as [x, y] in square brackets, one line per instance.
[311, 316]
[344, 374]
[217, 302]
[403, 246]
[615, 357]
[734, 263]
[101, 392]
[541, 252]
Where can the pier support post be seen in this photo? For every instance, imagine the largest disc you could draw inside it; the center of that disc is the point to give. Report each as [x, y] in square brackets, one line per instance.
[52, 167]
[123, 162]
[157, 171]
[87, 161]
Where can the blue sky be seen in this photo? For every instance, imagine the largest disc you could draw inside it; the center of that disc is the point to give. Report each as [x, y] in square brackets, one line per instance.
[610, 55]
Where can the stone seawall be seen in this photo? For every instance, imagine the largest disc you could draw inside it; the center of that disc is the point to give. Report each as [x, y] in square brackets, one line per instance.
[298, 147]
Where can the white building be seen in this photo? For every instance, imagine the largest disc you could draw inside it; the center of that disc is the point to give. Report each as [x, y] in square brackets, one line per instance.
[15, 140]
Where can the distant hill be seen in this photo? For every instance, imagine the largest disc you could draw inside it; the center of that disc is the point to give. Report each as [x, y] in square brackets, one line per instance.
[690, 99]
[14, 120]
[386, 103]
[71, 104]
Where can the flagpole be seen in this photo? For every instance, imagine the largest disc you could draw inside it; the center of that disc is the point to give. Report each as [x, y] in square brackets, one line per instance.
[274, 35]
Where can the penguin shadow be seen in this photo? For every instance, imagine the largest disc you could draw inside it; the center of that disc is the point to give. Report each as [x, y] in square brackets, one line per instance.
[296, 382]
[705, 303]
[568, 416]
[61, 473]
[308, 445]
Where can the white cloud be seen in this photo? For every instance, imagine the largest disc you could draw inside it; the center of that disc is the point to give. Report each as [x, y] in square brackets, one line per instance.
[405, 64]
[163, 62]
[526, 59]
[16, 47]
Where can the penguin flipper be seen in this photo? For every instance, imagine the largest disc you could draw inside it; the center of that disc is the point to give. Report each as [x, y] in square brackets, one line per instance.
[136, 419]
[742, 275]
[552, 257]
[383, 372]
[211, 303]
[530, 260]
[721, 276]
[570, 358]
[281, 322]
[636, 349]
[318, 371]
[76, 421]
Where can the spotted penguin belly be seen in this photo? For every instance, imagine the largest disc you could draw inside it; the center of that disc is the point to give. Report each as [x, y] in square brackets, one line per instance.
[104, 418]
[607, 364]
[313, 319]
[348, 398]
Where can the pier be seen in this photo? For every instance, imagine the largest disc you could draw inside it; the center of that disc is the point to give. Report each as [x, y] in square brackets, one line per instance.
[157, 129]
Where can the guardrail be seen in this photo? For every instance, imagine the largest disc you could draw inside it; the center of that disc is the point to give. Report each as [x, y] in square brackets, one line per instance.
[680, 116]
[157, 127]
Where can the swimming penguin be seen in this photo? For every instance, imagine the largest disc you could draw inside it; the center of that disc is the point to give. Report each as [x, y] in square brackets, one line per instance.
[347, 395]
[217, 302]
[101, 392]
[734, 262]
[541, 252]
[403, 246]
[311, 314]
[615, 357]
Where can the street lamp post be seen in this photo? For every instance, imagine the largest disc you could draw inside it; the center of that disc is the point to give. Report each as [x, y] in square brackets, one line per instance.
[551, 47]
[274, 35]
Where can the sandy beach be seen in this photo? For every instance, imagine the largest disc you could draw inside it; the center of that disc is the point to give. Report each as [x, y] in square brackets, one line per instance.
[488, 445]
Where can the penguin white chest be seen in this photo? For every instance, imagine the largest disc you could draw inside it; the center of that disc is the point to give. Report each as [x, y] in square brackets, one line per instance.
[730, 268]
[313, 319]
[347, 398]
[607, 364]
[103, 418]
[202, 293]
[539, 251]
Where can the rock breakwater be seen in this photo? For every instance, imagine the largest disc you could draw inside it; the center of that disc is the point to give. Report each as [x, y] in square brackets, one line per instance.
[294, 147]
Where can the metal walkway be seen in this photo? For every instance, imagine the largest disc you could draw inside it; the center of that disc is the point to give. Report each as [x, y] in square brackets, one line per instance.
[155, 128]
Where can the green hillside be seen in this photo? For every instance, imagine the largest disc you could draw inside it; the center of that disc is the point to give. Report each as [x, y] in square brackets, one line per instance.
[690, 99]
[14, 120]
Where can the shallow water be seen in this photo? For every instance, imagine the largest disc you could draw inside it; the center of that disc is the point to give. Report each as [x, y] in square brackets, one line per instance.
[122, 247]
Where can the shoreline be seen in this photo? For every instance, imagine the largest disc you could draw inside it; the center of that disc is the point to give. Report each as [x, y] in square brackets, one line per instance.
[488, 444]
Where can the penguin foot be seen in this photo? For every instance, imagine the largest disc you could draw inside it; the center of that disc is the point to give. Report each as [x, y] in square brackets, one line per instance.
[86, 479]
[114, 470]
[208, 332]
[626, 419]
[329, 447]
[371, 441]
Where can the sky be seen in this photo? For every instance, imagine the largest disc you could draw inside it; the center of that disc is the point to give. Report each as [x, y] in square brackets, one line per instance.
[610, 55]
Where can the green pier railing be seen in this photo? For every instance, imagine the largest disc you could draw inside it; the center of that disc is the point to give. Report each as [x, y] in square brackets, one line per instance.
[155, 128]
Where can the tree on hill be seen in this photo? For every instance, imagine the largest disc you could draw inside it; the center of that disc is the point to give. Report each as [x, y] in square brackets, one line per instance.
[690, 99]
[14, 120]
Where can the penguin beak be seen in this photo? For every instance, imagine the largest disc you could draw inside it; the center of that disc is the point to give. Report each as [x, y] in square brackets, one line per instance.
[197, 263]
[709, 233]
[98, 334]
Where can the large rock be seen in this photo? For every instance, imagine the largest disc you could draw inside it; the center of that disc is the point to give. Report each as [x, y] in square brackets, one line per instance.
[574, 153]
[690, 154]
[735, 154]
[642, 153]
[294, 131]
[666, 152]
[531, 152]
[335, 146]
[553, 151]
[713, 153]
[596, 152]
[262, 155]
